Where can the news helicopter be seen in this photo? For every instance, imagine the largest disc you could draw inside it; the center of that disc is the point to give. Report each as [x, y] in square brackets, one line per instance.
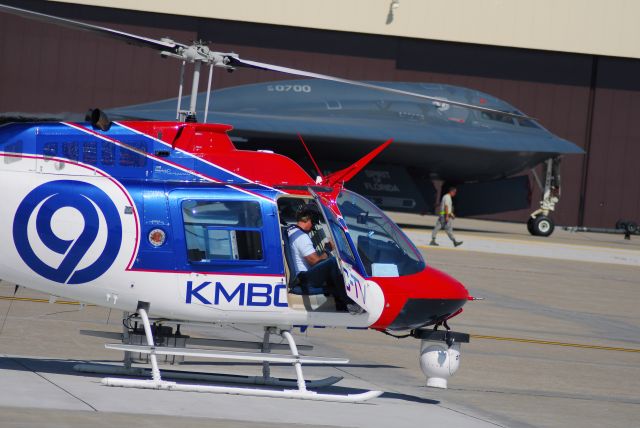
[171, 222]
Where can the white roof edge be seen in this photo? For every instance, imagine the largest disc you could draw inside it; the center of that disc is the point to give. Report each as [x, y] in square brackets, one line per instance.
[576, 26]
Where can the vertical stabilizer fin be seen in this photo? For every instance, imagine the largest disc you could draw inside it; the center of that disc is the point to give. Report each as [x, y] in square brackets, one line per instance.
[351, 171]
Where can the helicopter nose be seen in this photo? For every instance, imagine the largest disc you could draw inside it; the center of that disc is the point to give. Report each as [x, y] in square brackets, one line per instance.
[422, 299]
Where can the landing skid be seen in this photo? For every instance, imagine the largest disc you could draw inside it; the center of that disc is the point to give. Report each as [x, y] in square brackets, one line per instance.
[106, 369]
[300, 393]
[266, 380]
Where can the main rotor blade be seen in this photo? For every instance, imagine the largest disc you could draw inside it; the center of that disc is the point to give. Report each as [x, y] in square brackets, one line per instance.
[161, 45]
[238, 62]
[200, 52]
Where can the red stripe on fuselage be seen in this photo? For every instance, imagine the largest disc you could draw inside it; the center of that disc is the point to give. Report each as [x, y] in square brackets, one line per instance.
[188, 272]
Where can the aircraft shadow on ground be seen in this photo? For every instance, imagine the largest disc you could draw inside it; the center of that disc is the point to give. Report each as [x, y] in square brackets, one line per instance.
[65, 367]
[407, 397]
[246, 364]
[44, 365]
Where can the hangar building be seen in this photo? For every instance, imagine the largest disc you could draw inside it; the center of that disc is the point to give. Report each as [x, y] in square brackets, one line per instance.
[573, 65]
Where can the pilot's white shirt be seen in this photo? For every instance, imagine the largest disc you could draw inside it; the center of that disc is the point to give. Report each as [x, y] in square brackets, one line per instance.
[301, 246]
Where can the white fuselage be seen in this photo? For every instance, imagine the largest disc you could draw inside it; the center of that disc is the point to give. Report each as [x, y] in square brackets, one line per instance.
[190, 296]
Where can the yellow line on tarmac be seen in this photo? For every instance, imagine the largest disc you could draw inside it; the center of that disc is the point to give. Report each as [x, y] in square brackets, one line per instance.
[475, 336]
[28, 299]
[549, 342]
[434, 247]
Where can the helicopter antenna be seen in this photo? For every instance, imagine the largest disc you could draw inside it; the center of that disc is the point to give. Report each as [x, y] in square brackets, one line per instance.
[312, 159]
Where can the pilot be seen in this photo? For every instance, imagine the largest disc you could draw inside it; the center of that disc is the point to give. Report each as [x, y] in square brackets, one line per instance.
[317, 273]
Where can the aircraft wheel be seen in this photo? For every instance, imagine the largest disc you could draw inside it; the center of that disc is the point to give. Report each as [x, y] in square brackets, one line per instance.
[530, 225]
[632, 227]
[542, 226]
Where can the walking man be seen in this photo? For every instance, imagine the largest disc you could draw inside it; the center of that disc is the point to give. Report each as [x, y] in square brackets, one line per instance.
[445, 220]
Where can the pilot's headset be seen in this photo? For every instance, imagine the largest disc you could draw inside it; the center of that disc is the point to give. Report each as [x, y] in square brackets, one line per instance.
[309, 210]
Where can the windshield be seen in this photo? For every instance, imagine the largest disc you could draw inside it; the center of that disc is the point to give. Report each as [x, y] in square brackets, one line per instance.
[383, 248]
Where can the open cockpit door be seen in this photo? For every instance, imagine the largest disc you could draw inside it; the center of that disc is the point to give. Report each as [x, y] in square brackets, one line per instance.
[367, 294]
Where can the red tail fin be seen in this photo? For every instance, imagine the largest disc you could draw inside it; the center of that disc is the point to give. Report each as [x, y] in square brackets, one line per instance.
[351, 171]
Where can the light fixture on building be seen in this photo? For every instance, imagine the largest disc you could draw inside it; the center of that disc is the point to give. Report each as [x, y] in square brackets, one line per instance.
[392, 8]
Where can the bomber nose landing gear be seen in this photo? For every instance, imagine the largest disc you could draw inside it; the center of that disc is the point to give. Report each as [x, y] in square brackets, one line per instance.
[540, 224]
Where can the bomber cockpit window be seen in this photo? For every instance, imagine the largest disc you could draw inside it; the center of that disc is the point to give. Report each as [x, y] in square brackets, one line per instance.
[222, 230]
[497, 117]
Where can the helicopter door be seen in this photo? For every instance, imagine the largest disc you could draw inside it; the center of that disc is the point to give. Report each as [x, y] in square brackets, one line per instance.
[301, 298]
[365, 293]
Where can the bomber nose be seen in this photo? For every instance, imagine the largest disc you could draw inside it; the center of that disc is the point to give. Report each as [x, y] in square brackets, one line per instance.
[431, 297]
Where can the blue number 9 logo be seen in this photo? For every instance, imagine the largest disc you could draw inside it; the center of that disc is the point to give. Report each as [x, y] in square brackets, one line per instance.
[87, 199]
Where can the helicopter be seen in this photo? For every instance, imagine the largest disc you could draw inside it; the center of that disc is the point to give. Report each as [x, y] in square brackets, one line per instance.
[171, 223]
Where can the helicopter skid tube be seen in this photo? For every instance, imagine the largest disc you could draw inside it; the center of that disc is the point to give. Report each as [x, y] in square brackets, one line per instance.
[258, 392]
[295, 358]
[106, 369]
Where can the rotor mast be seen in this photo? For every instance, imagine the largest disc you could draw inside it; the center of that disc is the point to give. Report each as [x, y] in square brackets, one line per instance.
[197, 54]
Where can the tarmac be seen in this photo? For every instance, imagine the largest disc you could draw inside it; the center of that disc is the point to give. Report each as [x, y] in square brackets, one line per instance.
[554, 343]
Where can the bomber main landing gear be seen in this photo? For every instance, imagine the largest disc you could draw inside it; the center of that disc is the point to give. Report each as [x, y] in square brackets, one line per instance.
[540, 223]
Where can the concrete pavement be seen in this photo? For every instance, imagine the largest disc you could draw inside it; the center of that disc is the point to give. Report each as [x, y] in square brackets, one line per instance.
[555, 343]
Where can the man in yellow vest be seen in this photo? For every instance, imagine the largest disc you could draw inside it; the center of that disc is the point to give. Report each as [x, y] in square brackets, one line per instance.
[445, 220]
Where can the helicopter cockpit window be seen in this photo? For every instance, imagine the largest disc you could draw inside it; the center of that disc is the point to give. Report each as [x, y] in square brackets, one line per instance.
[340, 238]
[222, 230]
[383, 248]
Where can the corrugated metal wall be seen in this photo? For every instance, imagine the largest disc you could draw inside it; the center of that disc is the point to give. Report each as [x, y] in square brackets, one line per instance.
[592, 101]
[613, 180]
